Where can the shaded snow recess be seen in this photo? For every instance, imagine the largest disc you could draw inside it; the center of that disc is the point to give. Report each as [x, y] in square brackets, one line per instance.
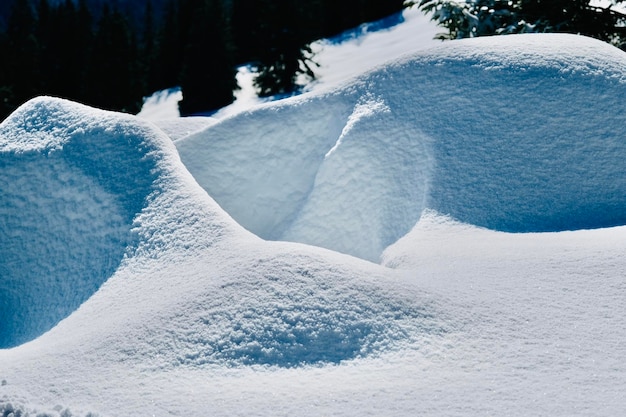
[466, 129]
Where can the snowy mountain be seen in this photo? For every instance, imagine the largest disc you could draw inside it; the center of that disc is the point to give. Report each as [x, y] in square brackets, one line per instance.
[442, 234]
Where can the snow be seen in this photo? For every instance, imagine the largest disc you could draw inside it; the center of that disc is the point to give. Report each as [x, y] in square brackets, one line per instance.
[162, 105]
[310, 169]
[469, 198]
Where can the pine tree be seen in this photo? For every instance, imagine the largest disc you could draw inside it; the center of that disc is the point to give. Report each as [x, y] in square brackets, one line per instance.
[169, 54]
[112, 74]
[65, 33]
[6, 91]
[286, 54]
[22, 55]
[208, 76]
[493, 17]
[245, 29]
[113, 62]
[148, 52]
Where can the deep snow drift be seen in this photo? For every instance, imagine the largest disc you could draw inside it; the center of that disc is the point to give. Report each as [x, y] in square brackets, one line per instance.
[140, 295]
[474, 129]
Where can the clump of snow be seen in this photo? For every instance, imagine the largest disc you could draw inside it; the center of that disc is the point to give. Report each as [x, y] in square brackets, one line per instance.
[8, 409]
[466, 129]
[162, 105]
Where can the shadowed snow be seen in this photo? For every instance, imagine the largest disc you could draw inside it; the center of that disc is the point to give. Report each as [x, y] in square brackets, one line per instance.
[71, 189]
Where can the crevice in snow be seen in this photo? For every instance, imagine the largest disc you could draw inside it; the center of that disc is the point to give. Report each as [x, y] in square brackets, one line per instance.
[415, 135]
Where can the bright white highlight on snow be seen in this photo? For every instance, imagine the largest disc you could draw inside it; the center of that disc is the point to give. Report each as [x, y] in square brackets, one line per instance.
[128, 285]
[368, 108]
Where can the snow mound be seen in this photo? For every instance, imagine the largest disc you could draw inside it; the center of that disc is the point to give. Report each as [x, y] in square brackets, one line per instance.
[100, 213]
[67, 212]
[517, 133]
[75, 182]
[290, 309]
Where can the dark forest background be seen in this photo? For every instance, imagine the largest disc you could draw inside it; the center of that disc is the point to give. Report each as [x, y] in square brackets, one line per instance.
[110, 54]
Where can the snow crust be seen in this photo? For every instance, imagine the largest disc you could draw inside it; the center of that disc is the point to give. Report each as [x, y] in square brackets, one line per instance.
[127, 288]
[476, 129]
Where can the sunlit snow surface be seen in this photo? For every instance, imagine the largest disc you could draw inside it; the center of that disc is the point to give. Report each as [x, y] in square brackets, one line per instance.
[422, 165]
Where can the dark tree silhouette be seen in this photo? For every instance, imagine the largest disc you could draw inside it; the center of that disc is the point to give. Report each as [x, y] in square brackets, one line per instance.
[21, 57]
[169, 54]
[106, 58]
[283, 31]
[112, 73]
[208, 76]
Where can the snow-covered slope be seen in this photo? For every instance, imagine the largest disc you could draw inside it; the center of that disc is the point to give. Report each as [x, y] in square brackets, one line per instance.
[474, 129]
[139, 295]
[98, 197]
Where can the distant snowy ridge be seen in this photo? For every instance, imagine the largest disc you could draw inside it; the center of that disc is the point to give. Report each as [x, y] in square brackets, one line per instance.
[466, 129]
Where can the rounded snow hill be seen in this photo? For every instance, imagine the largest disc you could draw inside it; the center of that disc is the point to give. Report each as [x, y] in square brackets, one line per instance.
[71, 189]
[517, 133]
[99, 212]
[78, 185]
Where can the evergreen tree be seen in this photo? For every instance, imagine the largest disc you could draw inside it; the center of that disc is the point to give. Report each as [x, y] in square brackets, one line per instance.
[245, 29]
[112, 74]
[66, 37]
[83, 39]
[169, 54]
[286, 53]
[21, 55]
[208, 76]
[148, 52]
[6, 91]
[375, 9]
[492, 17]
[58, 47]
